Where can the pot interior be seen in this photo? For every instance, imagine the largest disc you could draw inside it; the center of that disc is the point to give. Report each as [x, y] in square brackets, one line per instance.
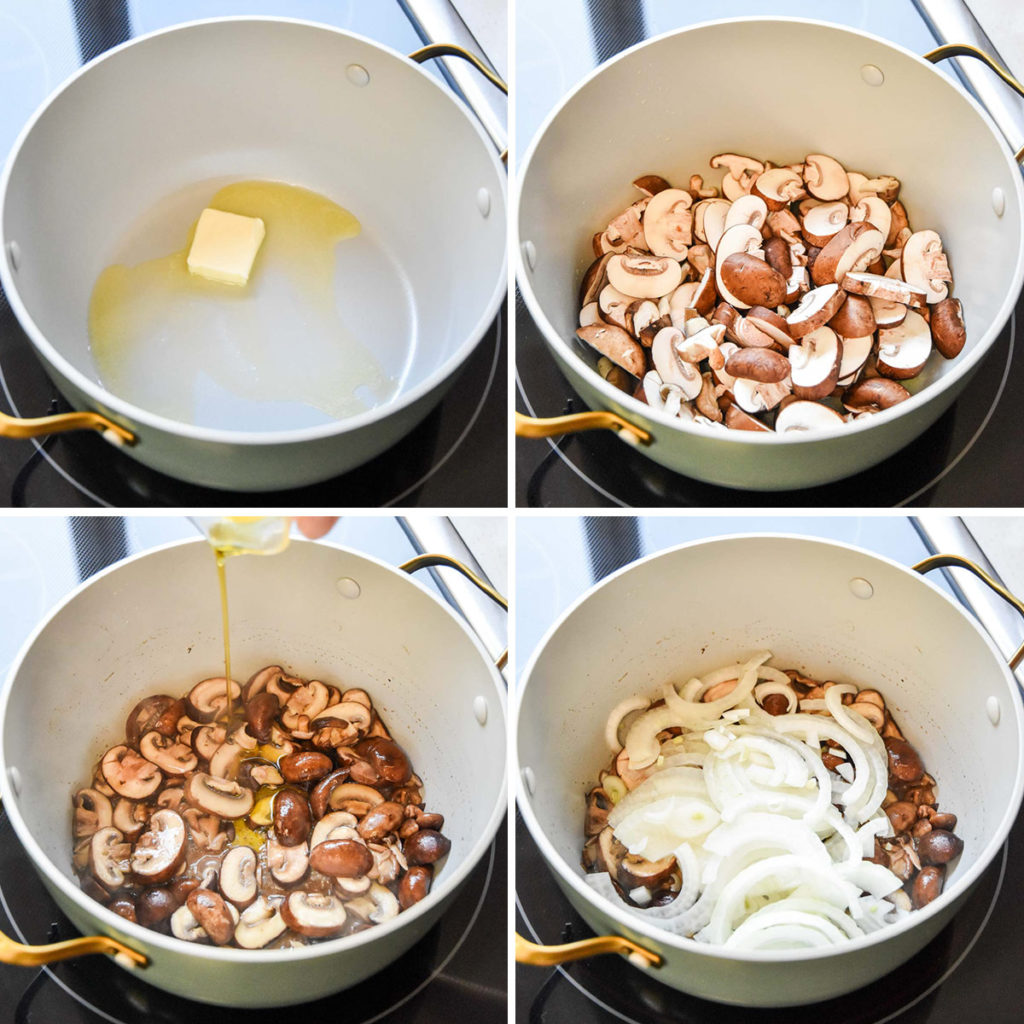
[161, 124]
[671, 100]
[693, 609]
[152, 625]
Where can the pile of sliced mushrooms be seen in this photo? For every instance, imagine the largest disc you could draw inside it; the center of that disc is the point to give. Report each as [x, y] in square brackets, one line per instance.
[284, 816]
[758, 808]
[797, 298]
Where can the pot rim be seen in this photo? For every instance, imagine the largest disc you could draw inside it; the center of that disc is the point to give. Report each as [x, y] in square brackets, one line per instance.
[641, 413]
[146, 939]
[131, 414]
[633, 925]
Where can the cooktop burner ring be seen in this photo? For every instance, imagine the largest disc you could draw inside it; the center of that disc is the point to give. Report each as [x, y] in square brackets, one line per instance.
[436, 971]
[894, 1015]
[555, 449]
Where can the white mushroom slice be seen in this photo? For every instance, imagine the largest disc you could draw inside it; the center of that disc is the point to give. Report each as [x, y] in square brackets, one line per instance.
[613, 305]
[887, 312]
[644, 277]
[659, 395]
[825, 177]
[259, 924]
[108, 857]
[770, 323]
[668, 223]
[316, 915]
[717, 362]
[779, 187]
[816, 308]
[903, 350]
[222, 797]
[806, 416]
[854, 248]
[815, 363]
[742, 173]
[590, 314]
[924, 265]
[185, 926]
[238, 882]
[855, 355]
[643, 313]
[696, 347]
[741, 238]
[752, 396]
[875, 212]
[287, 863]
[385, 903]
[160, 850]
[712, 216]
[670, 368]
[331, 822]
[616, 344]
[876, 287]
[822, 222]
[748, 209]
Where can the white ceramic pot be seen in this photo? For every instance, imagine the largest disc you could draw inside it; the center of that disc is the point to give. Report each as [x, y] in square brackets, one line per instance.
[961, 180]
[276, 99]
[151, 624]
[685, 611]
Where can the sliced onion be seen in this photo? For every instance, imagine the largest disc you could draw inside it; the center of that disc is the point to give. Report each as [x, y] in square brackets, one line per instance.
[855, 724]
[618, 713]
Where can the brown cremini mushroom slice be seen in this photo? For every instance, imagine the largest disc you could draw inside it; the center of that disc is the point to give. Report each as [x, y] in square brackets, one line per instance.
[109, 858]
[589, 314]
[772, 324]
[816, 308]
[749, 335]
[185, 926]
[753, 396]
[823, 222]
[259, 924]
[213, 915]
[308, 701]
[949, 333]
[238, 878]
[207, 739]
[160, 712]
[825, 177]
[225, 762]
[670, 368]
[160, 850]
[899, 224]
[93, 811]
[288, 864]
[668, 223]
[891, 288]
[804, 415]
[595, 278]
[779, 187]
[353, 797]
[924, 265]
[315, 915]
[854, 319]
[613, 305]
[760, 364]
[709, 221]
[740, 238]
[855, 354]
[748, 209]
[875, 212]
[129, 774]
[814, 362]
[170, 756]
[742, 172]
[334, 825]
[650, 184]
[615, 343]
[737, 419]
[852, 249]
[644, 277]
[130, 816]
[208, 699]
[640, 314]
[887, 313]
[903, 350]
[777, 255]
[385, 903]
[750, 281]
[223, 797]
[874, 395]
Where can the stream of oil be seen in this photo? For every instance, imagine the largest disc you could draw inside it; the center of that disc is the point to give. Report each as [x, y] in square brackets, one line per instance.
[276, 353]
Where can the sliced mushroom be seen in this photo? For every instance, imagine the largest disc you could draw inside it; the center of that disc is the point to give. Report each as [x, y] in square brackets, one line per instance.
[615, 343]
[816, 308]
[903, 350]
[288, 864]
[949, 333]
[750, 280]
[887, 313]
[170, 756]
[308, 701]
[130, 817]
[668, 223]
[806, 416]
[709, 220]
[898, 225]
[160, 712]
[160, 850]
[925, 266]
[772, 324]
[185, 926]
[92, 812]
[815, 363]
[335, 825]
[223, 797]
[130, 774]
[108, 858]
[238, 881]
[760, 364]
[854, 319]
[753, 396]
[855, 355]
[206, 740]
[259, 924]
[595, 279]
[347, 888]
[671, 369]
[779, 187]
[741, 238]
[852, 249]
[641, 314]
[644, 277]
[293, 820]
[875, 212]
[651, 184]
[214, 916]
[589, 314]
[737, 419]
[890, 288]
[748, 209]
[385, 903]
[743, 171]
[825, 177]
[208, 699]
[823, 222]
[316, 915]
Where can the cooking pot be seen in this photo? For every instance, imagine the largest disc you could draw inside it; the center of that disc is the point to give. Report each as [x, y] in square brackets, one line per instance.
[267, 98]
[829, 610]
[678, 99]
[151, 624]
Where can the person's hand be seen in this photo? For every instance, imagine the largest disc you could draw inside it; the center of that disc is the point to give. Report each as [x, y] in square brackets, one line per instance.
[315, 527]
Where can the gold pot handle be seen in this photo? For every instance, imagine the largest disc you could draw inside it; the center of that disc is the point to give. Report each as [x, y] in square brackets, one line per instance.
[550, 956]
[426, 53]
[553, 426]
[60, 423]
[955, 561]
[430, 561]
[966, 50]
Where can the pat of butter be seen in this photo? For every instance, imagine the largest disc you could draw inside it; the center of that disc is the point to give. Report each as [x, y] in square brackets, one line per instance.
[224, 246]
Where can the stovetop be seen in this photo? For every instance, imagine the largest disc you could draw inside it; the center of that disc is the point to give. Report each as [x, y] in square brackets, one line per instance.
[960, 461]
[459, 967]
[41, 43]
[960, 976]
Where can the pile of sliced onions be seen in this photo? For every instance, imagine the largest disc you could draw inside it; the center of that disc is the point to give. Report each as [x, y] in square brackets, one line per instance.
[771, 846]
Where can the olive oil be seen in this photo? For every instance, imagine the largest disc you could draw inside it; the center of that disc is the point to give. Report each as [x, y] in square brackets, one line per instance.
[299, 345]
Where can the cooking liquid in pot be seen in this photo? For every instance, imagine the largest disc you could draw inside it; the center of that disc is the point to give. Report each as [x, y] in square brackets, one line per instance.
[278, 353]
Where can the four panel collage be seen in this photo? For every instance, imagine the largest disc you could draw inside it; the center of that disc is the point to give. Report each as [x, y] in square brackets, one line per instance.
[507, 511]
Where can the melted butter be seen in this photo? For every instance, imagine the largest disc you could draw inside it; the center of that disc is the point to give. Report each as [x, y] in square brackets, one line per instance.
[274, 354]
[246, 836]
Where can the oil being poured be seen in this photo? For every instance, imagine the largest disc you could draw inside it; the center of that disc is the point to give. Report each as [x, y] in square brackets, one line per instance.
[290, 349]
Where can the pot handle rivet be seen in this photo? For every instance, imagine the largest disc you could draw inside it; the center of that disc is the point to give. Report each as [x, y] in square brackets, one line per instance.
[483, 202]
[872, 74]
[998, 201]
[861, 588]
[530, 255]
[993, 710]
[480, 710]
[357, 75]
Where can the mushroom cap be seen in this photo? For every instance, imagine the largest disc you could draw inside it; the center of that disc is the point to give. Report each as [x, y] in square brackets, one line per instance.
[260, 923]
[760, 364]
[93, 811]
[772, 324]
[854, 319]
[214, 916]
[316, 915]
[949, 332]
[815, 363]
[129, 774]
[806, 416]
[853, 248]
[904, 349]
[874, 394]
[751, 280]
[615, 343]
